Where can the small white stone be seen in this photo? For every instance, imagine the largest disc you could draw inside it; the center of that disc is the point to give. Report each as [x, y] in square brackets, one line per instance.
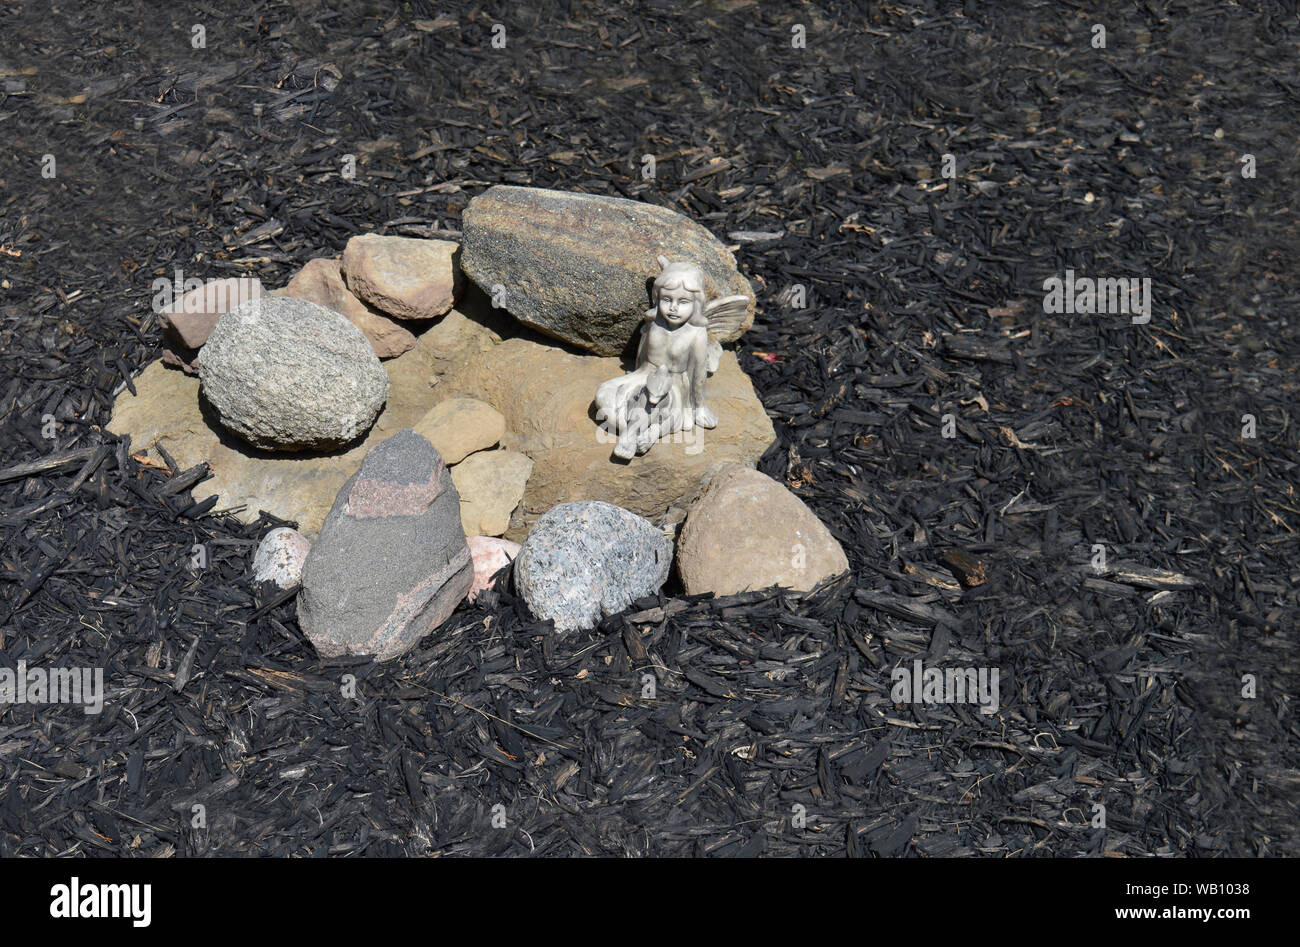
[280, 557]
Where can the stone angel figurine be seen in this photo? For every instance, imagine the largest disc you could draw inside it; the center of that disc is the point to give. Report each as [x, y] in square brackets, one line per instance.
[679, 349]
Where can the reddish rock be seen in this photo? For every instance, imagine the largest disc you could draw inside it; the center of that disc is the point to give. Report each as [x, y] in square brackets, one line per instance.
[189, 321]
[490, 555]
[405, 277]
[177, 356]
[391, 562]
[321, 282]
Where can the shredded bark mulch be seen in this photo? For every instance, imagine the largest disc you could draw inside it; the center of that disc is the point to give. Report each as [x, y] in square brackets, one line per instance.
[770, 728]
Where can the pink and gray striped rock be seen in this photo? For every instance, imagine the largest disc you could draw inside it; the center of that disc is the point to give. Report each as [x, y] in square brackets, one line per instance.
[391, 562]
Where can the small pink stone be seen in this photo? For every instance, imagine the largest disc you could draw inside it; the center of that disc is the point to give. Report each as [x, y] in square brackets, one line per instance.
[490, 555]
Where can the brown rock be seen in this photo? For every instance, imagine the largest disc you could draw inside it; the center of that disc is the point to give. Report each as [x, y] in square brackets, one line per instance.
[577, 266]
[405, 277]
[490, 484]
[321, 281]
[746, 531]
[458, 427]
[177, 356]
[189, 321]
[546, 395]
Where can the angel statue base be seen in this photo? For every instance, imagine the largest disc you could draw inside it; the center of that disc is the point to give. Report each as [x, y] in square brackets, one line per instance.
[679, 349]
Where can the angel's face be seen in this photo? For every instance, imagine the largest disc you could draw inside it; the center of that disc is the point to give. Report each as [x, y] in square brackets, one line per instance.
[676, 305]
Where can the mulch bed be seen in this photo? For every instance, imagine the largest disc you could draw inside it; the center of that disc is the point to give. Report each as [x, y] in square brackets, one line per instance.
[924, 298]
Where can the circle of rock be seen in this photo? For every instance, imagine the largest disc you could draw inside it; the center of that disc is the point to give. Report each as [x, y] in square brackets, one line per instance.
[586, 560]
[288, 374]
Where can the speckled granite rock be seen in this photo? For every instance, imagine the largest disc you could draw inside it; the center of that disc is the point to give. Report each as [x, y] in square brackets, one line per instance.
[391, 563]
[287, 374]
[576, 266]
[280, 557]
[585, 561]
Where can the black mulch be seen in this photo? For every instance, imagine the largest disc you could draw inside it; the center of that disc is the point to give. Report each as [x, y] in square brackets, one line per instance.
[924, 298]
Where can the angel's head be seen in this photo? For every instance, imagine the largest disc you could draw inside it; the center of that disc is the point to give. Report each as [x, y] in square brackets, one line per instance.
[679, 292]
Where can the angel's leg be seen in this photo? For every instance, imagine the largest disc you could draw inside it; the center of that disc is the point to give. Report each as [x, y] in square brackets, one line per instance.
[699, 411]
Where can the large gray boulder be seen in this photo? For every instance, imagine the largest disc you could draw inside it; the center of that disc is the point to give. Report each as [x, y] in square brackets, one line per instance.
[391, 563]
[588, 560]
[576, 266]
[288, 374]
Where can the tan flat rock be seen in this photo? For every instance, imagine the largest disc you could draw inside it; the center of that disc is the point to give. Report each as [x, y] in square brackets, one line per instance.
[490, 484]
[458, 427]
[406, 277]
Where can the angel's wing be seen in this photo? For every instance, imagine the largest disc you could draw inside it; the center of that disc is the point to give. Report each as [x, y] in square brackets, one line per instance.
[726, 317]
[715, 356]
